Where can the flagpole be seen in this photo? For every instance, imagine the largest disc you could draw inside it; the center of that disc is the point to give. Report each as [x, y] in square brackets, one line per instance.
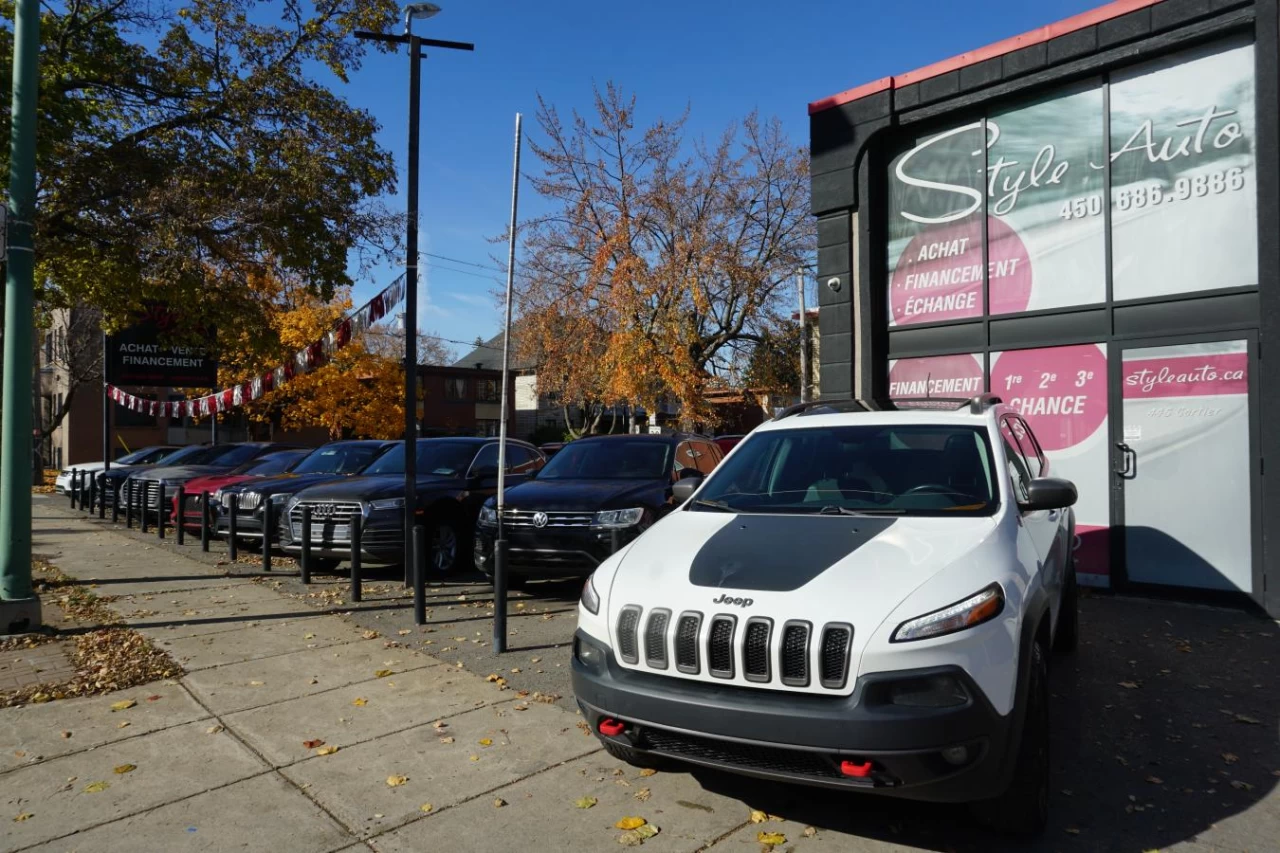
[500, 544]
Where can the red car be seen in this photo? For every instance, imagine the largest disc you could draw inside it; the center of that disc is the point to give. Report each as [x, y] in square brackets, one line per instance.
[727, 442]
[270, 465]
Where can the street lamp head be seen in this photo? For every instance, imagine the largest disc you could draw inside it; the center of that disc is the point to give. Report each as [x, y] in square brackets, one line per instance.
[419, 11]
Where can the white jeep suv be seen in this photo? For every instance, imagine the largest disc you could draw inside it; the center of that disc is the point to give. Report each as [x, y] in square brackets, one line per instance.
[858, 597]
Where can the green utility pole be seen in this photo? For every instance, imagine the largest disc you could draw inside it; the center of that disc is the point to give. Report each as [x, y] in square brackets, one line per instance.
[19, 606]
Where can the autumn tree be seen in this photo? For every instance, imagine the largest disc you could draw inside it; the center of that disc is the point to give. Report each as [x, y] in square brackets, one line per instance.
[661, 256]
[183, 150]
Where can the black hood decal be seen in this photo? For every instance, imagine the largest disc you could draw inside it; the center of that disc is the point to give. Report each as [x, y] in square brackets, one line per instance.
[774, 553]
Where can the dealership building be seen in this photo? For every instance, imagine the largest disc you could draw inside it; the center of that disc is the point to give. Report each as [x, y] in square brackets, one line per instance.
[1082, 220]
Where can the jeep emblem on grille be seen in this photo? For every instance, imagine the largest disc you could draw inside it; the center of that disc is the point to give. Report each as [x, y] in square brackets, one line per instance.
[322, 510]
[539, 519]
[740, 602]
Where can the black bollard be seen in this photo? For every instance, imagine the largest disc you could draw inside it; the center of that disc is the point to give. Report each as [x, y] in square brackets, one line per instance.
[93, 492]
[232, 551]
[615, 540]
[266, 534]
[419, 556]
[75, 484]
[161, 510]
[144, 500]
[102, 497]
[354, 533]
[180, 515]
[304, 559]
[115, 498]
[500, 595]
[128, 503]
[204, 522]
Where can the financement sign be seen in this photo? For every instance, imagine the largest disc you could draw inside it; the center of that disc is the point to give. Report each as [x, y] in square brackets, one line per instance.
[137, 355]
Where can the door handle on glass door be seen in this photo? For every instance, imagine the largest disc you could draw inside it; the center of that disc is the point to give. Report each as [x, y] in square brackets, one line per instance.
[1128, 461]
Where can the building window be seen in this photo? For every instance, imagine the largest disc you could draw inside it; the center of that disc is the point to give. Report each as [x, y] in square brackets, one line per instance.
[487, 428]
[486, 390]
[455, 389]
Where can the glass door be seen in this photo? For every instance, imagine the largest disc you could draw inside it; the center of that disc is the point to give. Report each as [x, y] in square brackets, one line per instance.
[1183, 462]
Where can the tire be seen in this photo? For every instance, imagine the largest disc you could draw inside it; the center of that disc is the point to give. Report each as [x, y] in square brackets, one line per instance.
[1023, 809]
[633, 757]
[324, 564]
[1068, 636]
[444, 548]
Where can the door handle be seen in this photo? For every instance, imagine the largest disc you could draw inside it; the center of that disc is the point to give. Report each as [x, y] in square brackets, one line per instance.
[1128, 461]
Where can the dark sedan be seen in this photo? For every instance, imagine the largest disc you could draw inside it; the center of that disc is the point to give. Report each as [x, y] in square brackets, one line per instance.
[455, 476]
[598, 489]
[111, 483]
[219, 459]
[334, 461]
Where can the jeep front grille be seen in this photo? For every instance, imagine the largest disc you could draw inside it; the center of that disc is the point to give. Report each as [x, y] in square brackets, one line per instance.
[785, 657]
[836, 640]
[720, 647]
[795, 654]
[655, 639]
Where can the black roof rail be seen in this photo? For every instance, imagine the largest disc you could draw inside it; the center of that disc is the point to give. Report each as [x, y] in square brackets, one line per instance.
[976, 405]
[828, 405]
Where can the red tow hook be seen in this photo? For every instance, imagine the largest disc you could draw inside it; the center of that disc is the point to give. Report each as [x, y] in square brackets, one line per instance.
[856, 770]
[610, 727]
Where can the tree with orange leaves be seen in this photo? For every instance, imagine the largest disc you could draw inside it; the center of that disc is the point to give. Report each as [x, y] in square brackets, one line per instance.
[662, 262]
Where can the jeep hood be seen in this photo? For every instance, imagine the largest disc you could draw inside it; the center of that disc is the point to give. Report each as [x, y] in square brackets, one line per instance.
[819, 569]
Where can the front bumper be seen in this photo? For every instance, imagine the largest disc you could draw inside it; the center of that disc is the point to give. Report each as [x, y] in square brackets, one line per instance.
[551, 552]
[381, 538]
[792, 737]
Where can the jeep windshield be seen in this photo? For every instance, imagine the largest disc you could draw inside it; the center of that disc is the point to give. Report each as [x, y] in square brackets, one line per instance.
[610, 459]
[841, 470]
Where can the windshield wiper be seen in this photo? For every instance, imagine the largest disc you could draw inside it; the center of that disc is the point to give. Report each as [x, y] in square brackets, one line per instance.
[832, 509]
[718, 506]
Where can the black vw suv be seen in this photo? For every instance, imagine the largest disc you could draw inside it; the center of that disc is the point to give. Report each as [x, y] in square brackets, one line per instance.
[564, 521]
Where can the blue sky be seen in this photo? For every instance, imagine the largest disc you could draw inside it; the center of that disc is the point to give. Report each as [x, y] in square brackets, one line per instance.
[720, 59]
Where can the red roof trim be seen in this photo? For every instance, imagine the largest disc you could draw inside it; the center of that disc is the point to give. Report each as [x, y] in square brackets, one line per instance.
[1037, 36]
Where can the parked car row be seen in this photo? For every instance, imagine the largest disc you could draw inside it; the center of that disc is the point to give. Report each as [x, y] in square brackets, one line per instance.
[563, 516]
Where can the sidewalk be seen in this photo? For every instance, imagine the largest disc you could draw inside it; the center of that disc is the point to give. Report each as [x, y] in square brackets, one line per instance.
[297, 728]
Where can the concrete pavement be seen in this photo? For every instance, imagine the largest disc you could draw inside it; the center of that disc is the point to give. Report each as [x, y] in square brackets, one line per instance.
[300, 729]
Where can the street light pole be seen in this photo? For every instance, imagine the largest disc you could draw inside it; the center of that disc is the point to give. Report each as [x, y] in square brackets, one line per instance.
[19, 606]
[415, 44]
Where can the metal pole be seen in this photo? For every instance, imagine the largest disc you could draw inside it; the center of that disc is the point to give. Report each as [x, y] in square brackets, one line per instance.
[804, 342]
[160, 510]
[115, 498]
[266, 534]
[71, 492]
[144, 500]
[204, 522]
[93, 490]
[128, 501]
[500, 544]
[419, 602]
[411, 316]
[19, 606]
[232, 511]
[180, 517]
[213, 428]
[354, 533]
[304, 559]
[106, 405]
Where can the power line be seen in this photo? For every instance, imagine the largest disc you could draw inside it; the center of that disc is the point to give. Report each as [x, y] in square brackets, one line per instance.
[464, 263]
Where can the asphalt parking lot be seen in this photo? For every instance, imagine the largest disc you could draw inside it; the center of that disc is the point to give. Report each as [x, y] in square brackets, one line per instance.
[1165, 720]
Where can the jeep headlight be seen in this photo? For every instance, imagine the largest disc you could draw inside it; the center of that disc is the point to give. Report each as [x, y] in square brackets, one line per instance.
[488, 515]
[619, 517]
[387, 503]
[590, 598]
[974, 610]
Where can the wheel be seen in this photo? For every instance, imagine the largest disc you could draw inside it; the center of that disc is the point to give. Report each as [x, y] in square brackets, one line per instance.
[324, 564]
[1023, 809]
[1068, 636]
[634, 757]
[443, 548]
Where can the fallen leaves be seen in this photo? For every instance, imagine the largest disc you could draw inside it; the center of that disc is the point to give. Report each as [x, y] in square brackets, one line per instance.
[447, 739]
[383, 673]
[1155, 780]
[648, 771]
[1247, 720]
[638, 835]
[758, 816]
[371, 635]
[313, 744]
[630, 823]
[427, 807]
[484, 741]
[96, 787]
[1129, 685]
[396, 781]
[66, 735]
[125, 768]
[123, 705]
[213, 730]
[1241, 786]
[24, 816]
[809, 832]
[642, 795]
[360, 702]
[498, 802]
[1230, 757]
[771, 839]
[585, 802]
[326, 750]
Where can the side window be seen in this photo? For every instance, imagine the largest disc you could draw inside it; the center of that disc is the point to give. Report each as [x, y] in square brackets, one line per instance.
[685, 457]
[487, 458]
[1031, 451]
[520, 459]
[1019, 473]
[707, 456]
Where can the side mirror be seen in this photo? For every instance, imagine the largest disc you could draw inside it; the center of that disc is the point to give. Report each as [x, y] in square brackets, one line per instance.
[1049, 493]
[685, 487]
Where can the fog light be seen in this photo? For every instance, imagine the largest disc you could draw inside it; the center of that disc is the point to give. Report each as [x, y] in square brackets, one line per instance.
[588, 653]
[956, 755]
[478, 550]
[938, 691]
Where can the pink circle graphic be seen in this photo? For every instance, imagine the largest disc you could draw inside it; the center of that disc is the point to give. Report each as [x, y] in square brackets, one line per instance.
[936, 376]
[939, 274]
[1061, 391]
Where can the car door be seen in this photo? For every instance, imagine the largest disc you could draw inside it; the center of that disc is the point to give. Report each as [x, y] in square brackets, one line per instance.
[1041, 525]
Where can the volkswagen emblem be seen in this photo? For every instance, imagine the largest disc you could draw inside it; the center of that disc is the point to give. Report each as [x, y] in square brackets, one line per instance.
[539, 519]
[322, 510]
